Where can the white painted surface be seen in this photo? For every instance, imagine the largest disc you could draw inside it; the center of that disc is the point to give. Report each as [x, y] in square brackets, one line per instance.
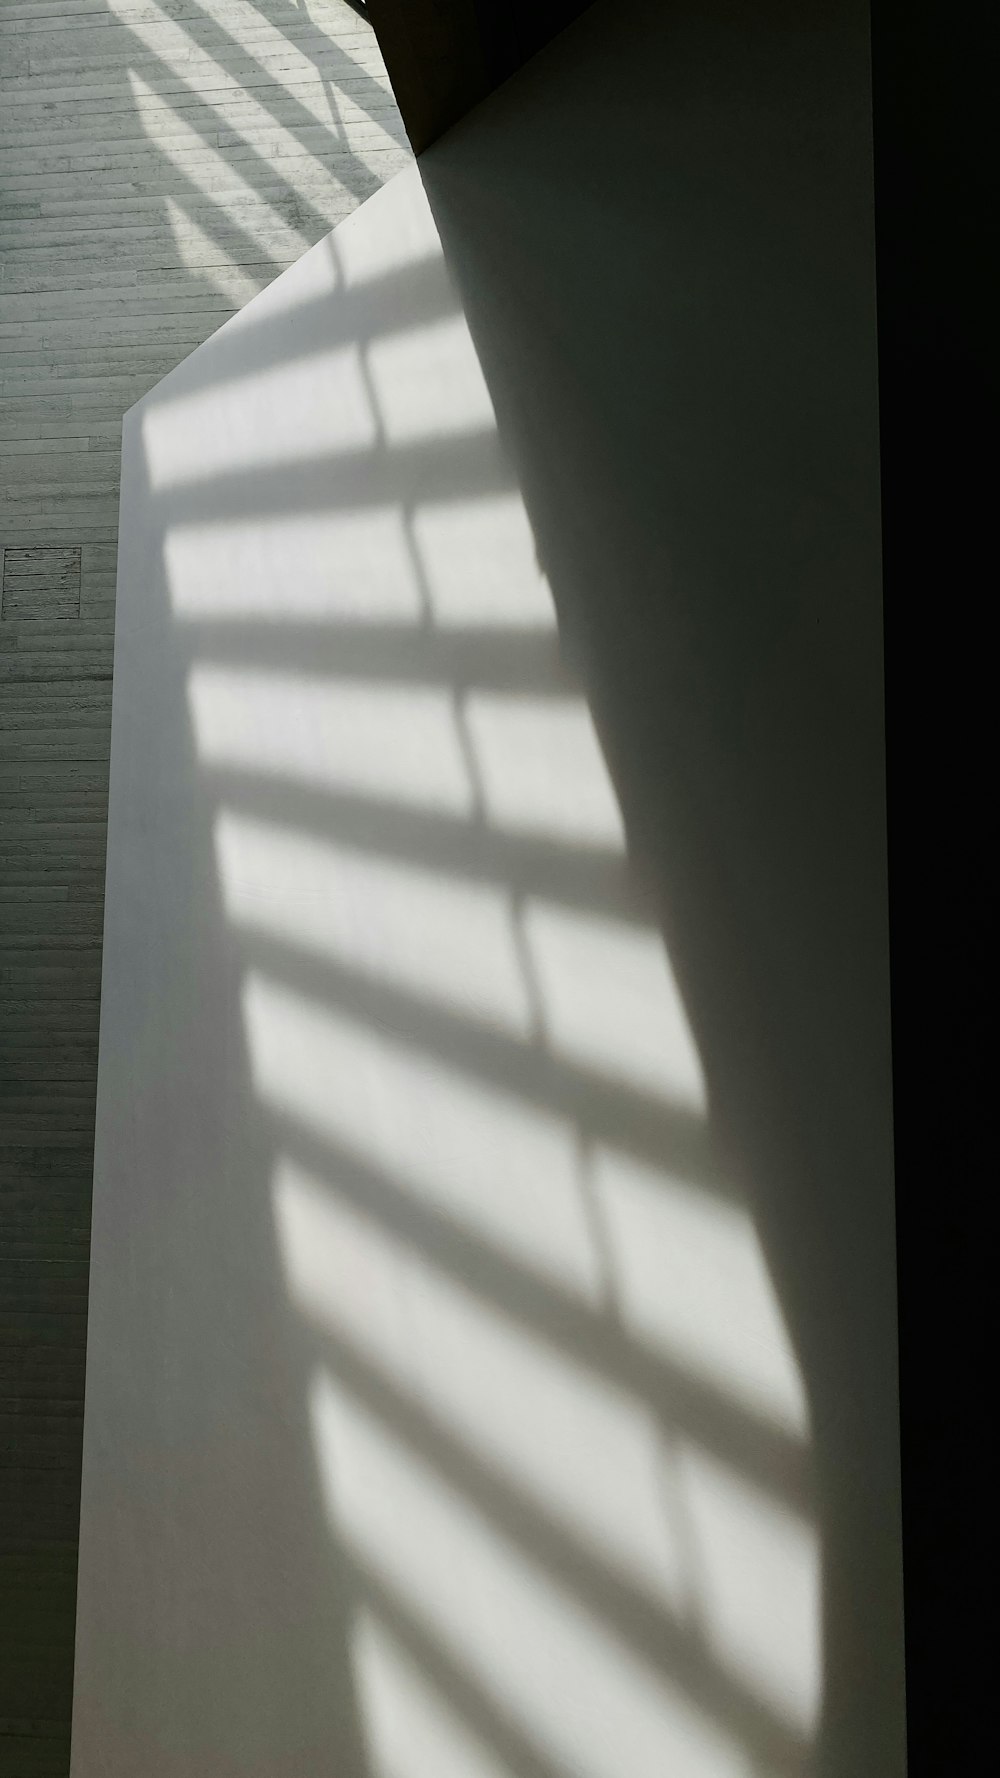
[472, 1384]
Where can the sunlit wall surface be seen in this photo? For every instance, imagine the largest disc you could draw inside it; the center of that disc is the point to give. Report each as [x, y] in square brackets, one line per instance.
[529, 1297]
[444, 1413]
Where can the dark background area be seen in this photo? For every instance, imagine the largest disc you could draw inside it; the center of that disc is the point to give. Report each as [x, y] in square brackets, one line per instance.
[936, 249]
[444, 56]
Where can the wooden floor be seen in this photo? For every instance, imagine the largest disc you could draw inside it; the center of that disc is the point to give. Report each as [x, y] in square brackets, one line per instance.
[160, 164]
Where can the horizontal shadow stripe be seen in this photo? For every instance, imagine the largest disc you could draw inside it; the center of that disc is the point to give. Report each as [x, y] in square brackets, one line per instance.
[486, 1717]
[529, 662]
[186, 189]
[526, 864]
[594, 1338]
[661, 1640]
[600, 1108]
[344, 481]
[411, 296]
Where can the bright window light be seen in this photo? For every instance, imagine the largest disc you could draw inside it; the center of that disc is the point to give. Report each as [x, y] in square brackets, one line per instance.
[426, 933]
[203, 256]
[525, 1644]
[291, 413]
[608, 999]
[332, 567]
[479, 564]
[208, 171]
[395, 744]
[428, 383]
[581, 1449]
[760, 1586]
[498, 1168]
[311, 279]
[411, 1729]
[691, 1282]
[395, 231]
[202, 74]
[541, 769]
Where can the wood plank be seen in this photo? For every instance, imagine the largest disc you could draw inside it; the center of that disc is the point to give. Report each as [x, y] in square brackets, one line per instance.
[128, 232]
[42, 582]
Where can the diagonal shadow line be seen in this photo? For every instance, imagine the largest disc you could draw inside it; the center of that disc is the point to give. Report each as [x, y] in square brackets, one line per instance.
[293, 21]
[293, 16]
[255, 253]
[219, 43]
[656, 1635]
[255, 264]
[253, 168]
[293, 28]
[523, 864]
[458, 661]
[602, 1111]
[772, 1459]
[490, 1720]
[75, 139]
[350, 69]
[341, 319]
[251, 82]
[443, 469]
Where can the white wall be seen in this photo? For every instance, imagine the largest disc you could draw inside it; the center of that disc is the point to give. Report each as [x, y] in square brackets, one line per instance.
[491, 1359]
